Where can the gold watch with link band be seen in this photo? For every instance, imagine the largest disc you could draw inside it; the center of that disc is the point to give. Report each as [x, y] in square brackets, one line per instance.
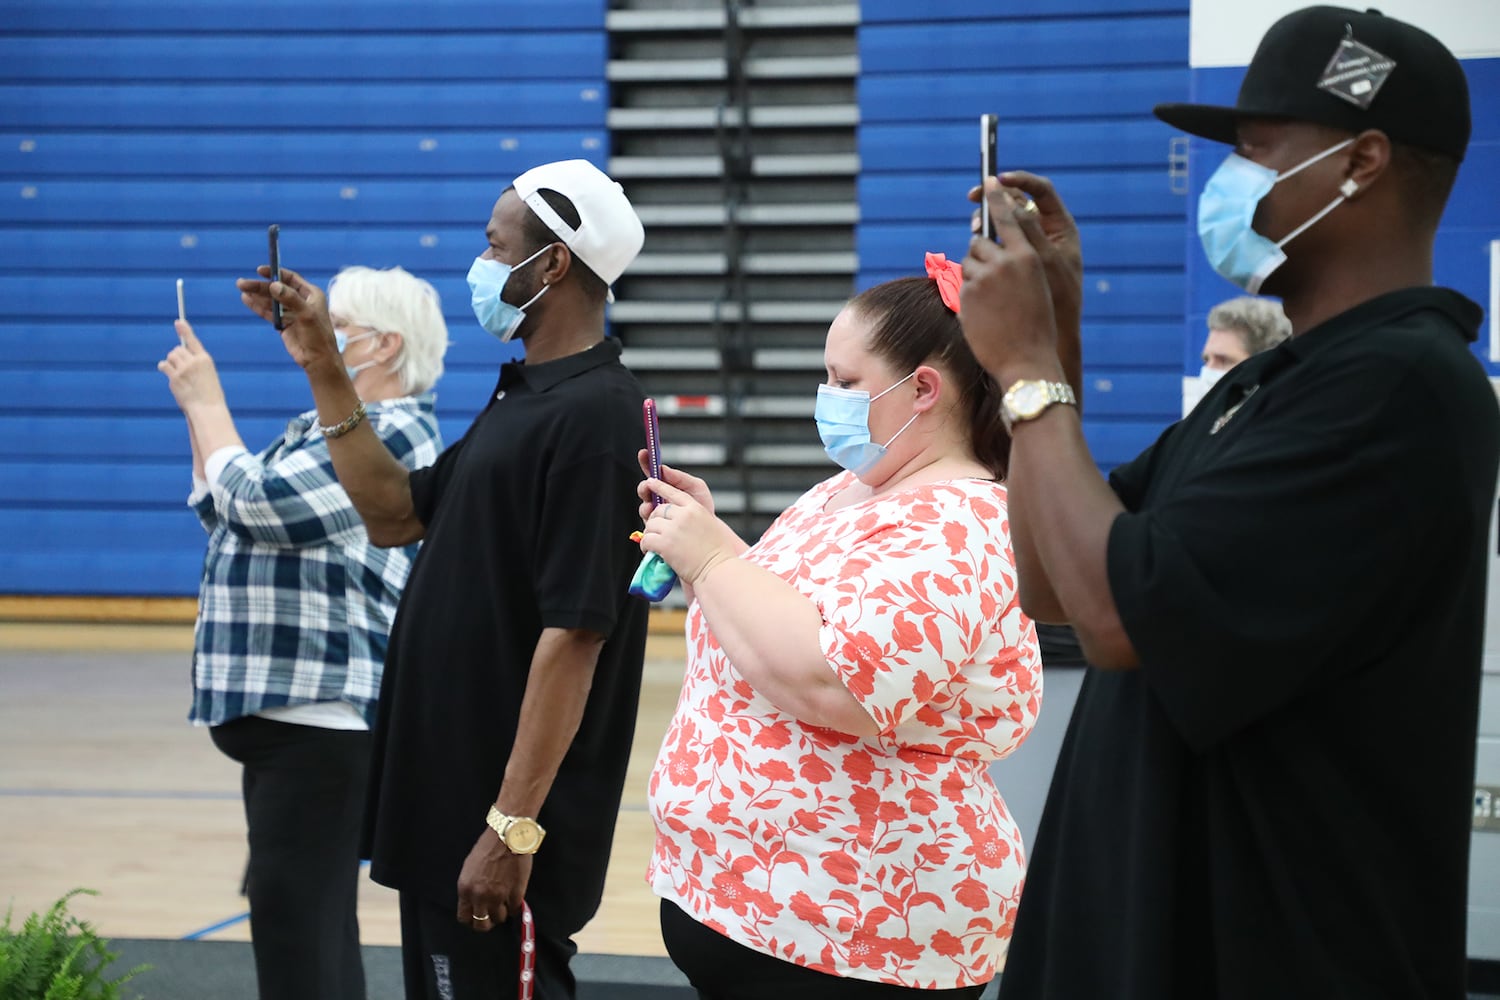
[1028, 399]
[519, 834]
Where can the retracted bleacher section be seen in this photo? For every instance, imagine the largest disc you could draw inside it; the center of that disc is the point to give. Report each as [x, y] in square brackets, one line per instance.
[1073, 83]
[733, 129]
[142, 142]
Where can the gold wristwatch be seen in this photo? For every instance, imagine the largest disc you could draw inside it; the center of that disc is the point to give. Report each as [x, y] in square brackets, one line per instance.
[1029, 399]
[519, 834]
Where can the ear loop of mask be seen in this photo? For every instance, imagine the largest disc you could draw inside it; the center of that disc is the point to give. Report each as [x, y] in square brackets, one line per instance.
[1346, 191]
[532, 301]
[354, 370]
[904, 426]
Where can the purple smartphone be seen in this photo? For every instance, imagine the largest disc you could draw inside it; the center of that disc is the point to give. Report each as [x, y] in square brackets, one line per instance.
[653, 442]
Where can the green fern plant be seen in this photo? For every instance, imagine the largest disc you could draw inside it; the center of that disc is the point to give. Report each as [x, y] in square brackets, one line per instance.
[56, 956]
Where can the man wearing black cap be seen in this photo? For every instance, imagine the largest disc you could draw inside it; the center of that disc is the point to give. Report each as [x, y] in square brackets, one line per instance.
[1264, 788]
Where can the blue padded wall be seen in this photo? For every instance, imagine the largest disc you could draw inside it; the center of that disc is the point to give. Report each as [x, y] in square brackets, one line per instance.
[1073, 83]
[142, 141]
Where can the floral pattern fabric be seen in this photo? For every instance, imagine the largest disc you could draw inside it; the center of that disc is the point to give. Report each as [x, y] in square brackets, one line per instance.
[891, 858]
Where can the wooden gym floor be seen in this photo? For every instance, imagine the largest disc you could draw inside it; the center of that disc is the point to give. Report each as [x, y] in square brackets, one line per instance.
[104, 785]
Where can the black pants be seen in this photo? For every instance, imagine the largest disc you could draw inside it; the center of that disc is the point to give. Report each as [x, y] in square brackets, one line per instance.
[443, 960]
[721, 969]
[304, 791]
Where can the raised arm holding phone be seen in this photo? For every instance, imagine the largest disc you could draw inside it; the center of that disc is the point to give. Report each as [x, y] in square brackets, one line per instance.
[1261, 579]
[377, 484]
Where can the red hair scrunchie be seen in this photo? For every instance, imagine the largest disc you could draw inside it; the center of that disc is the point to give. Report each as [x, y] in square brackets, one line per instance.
[949, 275]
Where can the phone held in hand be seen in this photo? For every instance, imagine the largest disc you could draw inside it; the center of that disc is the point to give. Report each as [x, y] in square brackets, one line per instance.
[653, 442]
[181, 307]
[653, 578]
[273, 233]
[986, 170]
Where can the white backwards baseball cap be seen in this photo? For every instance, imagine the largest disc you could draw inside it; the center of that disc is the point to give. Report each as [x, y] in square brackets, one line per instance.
[609, 233]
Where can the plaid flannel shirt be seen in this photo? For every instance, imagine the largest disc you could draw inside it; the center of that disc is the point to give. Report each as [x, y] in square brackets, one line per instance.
[295, 605]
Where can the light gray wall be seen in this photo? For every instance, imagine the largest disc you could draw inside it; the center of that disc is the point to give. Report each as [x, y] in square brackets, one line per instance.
[1484, 857]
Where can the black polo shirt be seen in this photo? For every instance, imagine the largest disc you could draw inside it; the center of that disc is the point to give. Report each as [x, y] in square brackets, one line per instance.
[528, 521]
[1277, 803]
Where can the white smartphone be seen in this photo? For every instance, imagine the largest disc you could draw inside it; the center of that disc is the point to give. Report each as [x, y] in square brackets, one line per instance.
[181, 309]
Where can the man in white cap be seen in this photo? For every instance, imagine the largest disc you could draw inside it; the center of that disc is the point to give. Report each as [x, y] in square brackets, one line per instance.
[509, 698]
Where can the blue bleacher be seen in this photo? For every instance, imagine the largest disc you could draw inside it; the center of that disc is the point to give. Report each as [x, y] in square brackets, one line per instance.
[1107, 246]
[111, 298]
[1122, 294]
[254, 203]
[240, 341]
[1047, 93]
[110, 391]
[1092, 195]
[253, 106]
[472, 57]
[222, 254]
[1073, 83]
[95, 438]
[143, 142]
[1042, 147]
[900, 11]
[421, 21]
[988, 42]
[296, 157]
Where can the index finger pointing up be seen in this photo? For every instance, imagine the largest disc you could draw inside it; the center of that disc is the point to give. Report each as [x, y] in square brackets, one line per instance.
[187, 336]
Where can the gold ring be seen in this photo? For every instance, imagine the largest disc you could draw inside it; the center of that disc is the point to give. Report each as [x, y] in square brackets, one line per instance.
[1029, 208]
[481, 916]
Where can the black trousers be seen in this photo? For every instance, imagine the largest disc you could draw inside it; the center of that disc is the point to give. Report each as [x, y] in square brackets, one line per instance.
[442, 959]
[721, 969]
[304, 790]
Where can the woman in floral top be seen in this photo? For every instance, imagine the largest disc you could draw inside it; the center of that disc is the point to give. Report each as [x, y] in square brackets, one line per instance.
[826, 823]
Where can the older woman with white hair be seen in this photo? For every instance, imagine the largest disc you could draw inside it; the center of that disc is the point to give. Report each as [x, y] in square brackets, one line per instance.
[1237, 329]
[294, 611]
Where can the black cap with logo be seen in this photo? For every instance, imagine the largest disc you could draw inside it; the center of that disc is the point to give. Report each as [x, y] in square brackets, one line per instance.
[1348, 70]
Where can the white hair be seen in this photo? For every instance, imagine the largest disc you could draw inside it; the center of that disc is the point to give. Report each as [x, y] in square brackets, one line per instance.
[395, 301]
[1260, 323]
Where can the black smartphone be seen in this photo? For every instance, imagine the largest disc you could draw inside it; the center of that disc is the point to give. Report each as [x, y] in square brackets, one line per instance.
[986, 171]
[273, 233]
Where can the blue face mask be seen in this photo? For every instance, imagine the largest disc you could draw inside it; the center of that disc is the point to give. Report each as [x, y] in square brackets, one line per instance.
[487, 280]
[1226, 210]
[843, 417]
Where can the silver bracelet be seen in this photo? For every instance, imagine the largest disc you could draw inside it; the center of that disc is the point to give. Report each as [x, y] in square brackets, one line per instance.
[346, 425]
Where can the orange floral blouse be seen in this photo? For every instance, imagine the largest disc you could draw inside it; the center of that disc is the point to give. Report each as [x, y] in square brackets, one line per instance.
[891, 858]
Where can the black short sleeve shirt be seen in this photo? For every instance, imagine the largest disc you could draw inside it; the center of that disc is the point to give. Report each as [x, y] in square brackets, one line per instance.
[1276, 802]
[528, 521]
